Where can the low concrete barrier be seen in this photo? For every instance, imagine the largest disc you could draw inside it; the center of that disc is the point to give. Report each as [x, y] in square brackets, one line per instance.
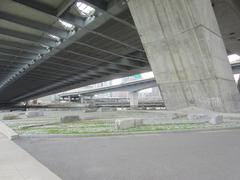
[10, 117]
[106, 109]
[126, 123]
[4, 129]
[33, 114]
[69, 119]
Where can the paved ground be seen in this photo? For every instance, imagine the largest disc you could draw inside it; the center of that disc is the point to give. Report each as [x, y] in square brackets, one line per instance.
[16, 164]
[175, 156]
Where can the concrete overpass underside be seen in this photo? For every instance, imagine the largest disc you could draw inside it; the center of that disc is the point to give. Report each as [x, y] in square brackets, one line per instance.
[104, 46]
[40, 54]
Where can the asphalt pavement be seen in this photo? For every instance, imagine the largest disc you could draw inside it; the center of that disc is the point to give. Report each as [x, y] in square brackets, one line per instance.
[168, 156]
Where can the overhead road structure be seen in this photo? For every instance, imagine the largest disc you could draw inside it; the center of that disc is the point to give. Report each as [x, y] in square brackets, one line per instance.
[52, 46]
[134, 86]
[48, 46]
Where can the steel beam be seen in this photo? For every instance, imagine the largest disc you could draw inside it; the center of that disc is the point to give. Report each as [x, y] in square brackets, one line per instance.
[5, 57]
[64, 7]
[2, 54]
[79, 21]
[39, 6]
[109, 52]
[78, 72]
[120, 66]
[28, 37]
[21, 53]
[75, 68]
[11, 61]
[83, 63]
[30, 48]
[100, 20]
[102, 10]
[78, 61]
[61, 83]
[34, 24]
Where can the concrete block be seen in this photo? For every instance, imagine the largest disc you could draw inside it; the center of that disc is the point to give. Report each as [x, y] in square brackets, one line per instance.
[32, 114]
[106, 109]
[199, 117]
[138, 122]
[69, 119]
[216, 119]
[4, 129]
[126, 123]
[159, 119]
[10, 117]
[91, 110]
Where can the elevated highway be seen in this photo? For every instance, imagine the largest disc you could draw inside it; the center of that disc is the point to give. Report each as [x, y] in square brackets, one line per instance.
[128, 87]
[51, 46]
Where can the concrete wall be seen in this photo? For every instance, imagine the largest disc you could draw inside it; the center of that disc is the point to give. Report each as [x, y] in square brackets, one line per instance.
[186, 52]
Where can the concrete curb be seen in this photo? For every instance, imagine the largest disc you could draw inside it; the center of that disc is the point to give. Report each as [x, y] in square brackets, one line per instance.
[8, 131]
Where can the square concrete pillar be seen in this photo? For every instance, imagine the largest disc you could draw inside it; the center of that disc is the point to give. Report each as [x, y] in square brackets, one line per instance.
[238, 84]
[133, 96]
[186, 51]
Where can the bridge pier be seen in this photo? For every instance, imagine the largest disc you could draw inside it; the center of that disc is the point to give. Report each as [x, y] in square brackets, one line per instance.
[238, 84]
[81, 99]
[133, 96]
[187, 54]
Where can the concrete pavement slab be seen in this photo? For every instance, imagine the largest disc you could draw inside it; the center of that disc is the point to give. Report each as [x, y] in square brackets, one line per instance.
[17, 164]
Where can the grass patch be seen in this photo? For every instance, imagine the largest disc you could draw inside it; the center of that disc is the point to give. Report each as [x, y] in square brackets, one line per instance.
[102, 127]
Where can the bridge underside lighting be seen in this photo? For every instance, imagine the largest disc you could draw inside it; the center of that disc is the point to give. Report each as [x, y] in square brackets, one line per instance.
[66, 25]
[54, 37]
[85, 9]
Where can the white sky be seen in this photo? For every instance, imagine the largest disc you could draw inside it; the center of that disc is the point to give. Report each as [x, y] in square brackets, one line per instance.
[233, 58]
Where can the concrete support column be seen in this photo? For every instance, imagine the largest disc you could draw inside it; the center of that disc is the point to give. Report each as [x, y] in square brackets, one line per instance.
[186, 52]
[133, 96]
[81, 99]
[238, 84]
